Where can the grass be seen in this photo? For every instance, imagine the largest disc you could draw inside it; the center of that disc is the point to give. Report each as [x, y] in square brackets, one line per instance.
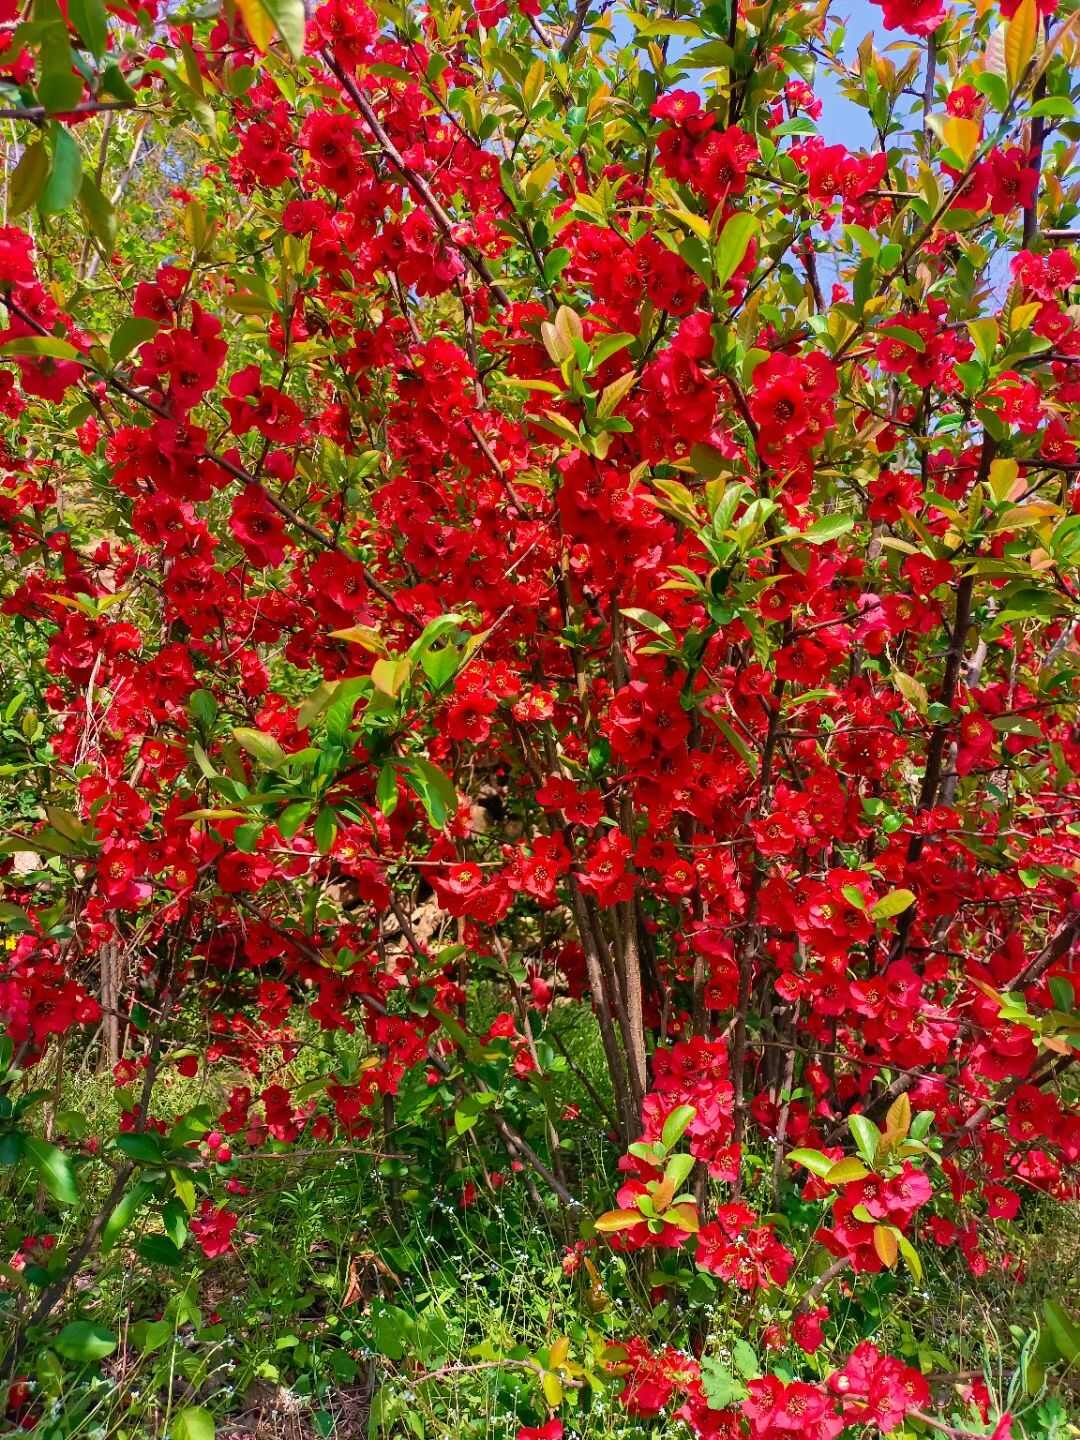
[363, 1302]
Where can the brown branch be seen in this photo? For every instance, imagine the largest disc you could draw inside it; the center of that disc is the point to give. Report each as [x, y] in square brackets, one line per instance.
[1035, 153]
[91, 107]
[577, 25]
[823, 1281]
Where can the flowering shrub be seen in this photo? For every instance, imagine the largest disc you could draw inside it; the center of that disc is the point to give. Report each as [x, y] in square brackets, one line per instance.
[540, 610]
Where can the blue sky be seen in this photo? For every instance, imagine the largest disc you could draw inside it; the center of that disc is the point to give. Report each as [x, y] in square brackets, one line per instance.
[841, 121]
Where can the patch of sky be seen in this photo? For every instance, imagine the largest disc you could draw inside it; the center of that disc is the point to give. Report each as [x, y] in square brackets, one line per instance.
[842, 120]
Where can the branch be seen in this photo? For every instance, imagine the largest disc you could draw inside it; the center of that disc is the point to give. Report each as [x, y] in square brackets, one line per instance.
[1035, 153]
[577, 25]
[823, 1281]
[92, 107]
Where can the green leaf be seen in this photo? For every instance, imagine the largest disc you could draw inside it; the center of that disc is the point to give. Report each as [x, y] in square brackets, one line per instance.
[123, 1215]
[65, 176]
[555, 262]
[746, 1361]
[84, 1341]
[160, 1250]
[1064, 1330]
[1060, 107]
[800, 125]
[813, 1160]
[293, 816]
[89, 18]
[127, 336]
[194, 1125]
[867, 242]
[829, 527]
[54, 1168]
[465, 1118]
[720, 1387]
[613, 395]
[59, 88]
[174, 1218]
[194, 1422]
[675, 1126]
[687, 29]
[386, 789]
[651, 1152]
[201, 703]
[260, 745]
[432, 787]
[985, 334]
[911, 338]
[12, 1147]
[339, 706]
[867, 1135]
[845, 1171]
[112, 80]
[150, 1335]
[920, 1126]
[678, 1168]
[98, 211]
[40, 345]
[1063, 993]
[288, 17]
[185, 1190]
[325, 829]
[913, 691]
[854, 896]
[145, 1149]
[994, 87]
[894, 903]
[389, 1327]
[648, 621]
[910, 1255]
[28, 179]
[745, 754]
[433, 631]
[733, 244]
[440, 666]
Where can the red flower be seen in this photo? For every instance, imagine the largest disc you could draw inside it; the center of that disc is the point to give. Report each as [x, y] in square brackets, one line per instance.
[917, 17]
[258, 528]
[751, 1262]
[777, 1410]
[553, 1430]
[1007, 179]
[878, 1389]
[807, 1329]
[606, 874]
[469, 718]
[238, 872]
[213, 1230]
